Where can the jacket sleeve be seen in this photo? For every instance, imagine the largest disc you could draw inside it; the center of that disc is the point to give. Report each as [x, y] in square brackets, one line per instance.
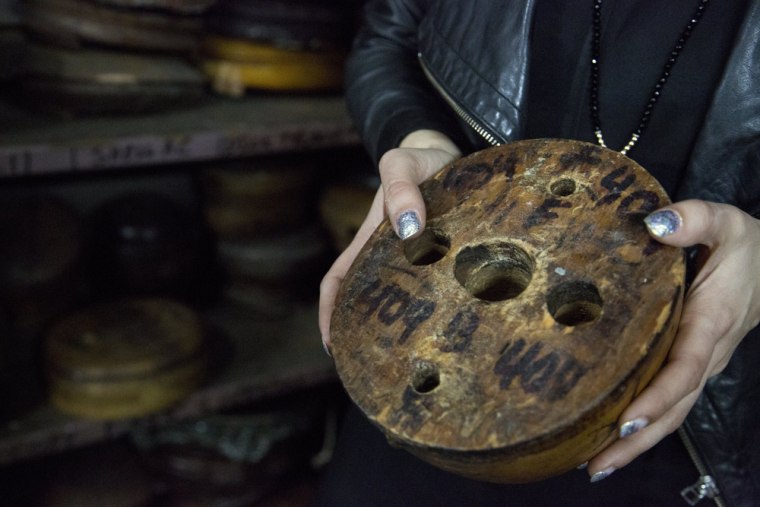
[387, 93]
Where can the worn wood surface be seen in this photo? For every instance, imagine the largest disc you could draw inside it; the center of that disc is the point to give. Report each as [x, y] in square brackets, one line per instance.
[252, 359]
[505, 341]
[124, 358]
[75, 24]
[247, 199]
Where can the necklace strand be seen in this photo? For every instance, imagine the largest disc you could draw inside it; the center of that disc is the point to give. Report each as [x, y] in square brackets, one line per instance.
[654, 97]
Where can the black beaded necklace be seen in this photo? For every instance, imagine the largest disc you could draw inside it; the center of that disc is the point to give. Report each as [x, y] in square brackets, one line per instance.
[671, 61]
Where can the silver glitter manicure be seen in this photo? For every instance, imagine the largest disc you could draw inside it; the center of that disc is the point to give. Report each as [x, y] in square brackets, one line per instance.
[602, 474]
[629, 428]
[408, 224]
[327, 349]
[663, 223]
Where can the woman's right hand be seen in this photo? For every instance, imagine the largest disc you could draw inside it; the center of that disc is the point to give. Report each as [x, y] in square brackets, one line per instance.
[420, 155]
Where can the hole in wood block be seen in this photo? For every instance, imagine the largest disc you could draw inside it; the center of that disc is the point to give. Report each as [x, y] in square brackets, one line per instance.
[494, 272]
[563, 187]
[573, 303]
[425, 376]
[427, 248]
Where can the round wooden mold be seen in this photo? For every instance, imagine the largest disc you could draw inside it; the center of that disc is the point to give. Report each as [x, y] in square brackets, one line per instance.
[504, 342]
[125, 358]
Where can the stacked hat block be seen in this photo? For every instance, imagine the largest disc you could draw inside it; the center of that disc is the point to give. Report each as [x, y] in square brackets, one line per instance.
[112, 57]
[127, 57]
[105, 280]
[277, 45]
[271, 248]
[102, 285]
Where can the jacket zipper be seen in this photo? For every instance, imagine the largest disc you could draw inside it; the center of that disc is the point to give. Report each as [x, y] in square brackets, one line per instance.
[705, 487]
[459, 110]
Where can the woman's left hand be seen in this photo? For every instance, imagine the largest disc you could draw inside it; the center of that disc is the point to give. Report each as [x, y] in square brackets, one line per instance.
[721, 307]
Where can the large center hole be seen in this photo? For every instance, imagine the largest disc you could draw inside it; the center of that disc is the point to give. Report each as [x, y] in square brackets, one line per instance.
[427, 248]
[494, 272]
[425, 377]
[573, 303]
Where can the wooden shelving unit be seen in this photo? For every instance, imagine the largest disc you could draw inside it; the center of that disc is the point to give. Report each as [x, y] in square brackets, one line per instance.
[256, 359]
[253, 360]
[217, 128]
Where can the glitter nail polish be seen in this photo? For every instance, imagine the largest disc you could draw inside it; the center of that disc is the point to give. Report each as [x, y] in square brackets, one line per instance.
[602, 474]
[327, 349]
[630, 427]
[663, 223]
[408, 224]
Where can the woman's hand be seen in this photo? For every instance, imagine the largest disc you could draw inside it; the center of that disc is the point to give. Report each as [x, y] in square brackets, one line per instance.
[721, 307]
[420, 155]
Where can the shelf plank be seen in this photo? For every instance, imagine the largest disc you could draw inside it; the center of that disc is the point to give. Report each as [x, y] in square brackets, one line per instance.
[217, 128]
[266, 359]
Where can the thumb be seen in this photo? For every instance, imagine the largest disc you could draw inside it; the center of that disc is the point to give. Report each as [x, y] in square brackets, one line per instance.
[401, 171]
[403, 200]
[692, 222]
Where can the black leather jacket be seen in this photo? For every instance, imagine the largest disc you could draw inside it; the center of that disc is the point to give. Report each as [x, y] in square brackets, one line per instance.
[425, 64]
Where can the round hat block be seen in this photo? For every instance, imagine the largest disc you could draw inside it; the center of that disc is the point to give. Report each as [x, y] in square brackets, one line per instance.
[124, 358]
[504, 342]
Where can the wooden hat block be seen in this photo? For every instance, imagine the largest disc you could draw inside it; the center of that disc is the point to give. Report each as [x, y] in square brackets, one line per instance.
[504, 342]
[124, 358]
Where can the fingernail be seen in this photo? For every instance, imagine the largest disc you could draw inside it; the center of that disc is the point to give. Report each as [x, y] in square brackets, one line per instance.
[408, 224]
[602, 474]
[663, 223]
[629, 428]
[582, 466]
[327, 349]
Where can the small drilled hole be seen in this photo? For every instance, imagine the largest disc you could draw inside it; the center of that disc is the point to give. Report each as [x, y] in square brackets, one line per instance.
[574, 303]
[494, 272]
[427, 248]
[563, 187]
[425, 377]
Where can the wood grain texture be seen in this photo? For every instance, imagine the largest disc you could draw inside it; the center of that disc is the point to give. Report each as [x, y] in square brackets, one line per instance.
[504, 342]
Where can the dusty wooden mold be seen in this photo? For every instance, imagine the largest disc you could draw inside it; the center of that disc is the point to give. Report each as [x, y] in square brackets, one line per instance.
[505, 341]
[124, 358]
